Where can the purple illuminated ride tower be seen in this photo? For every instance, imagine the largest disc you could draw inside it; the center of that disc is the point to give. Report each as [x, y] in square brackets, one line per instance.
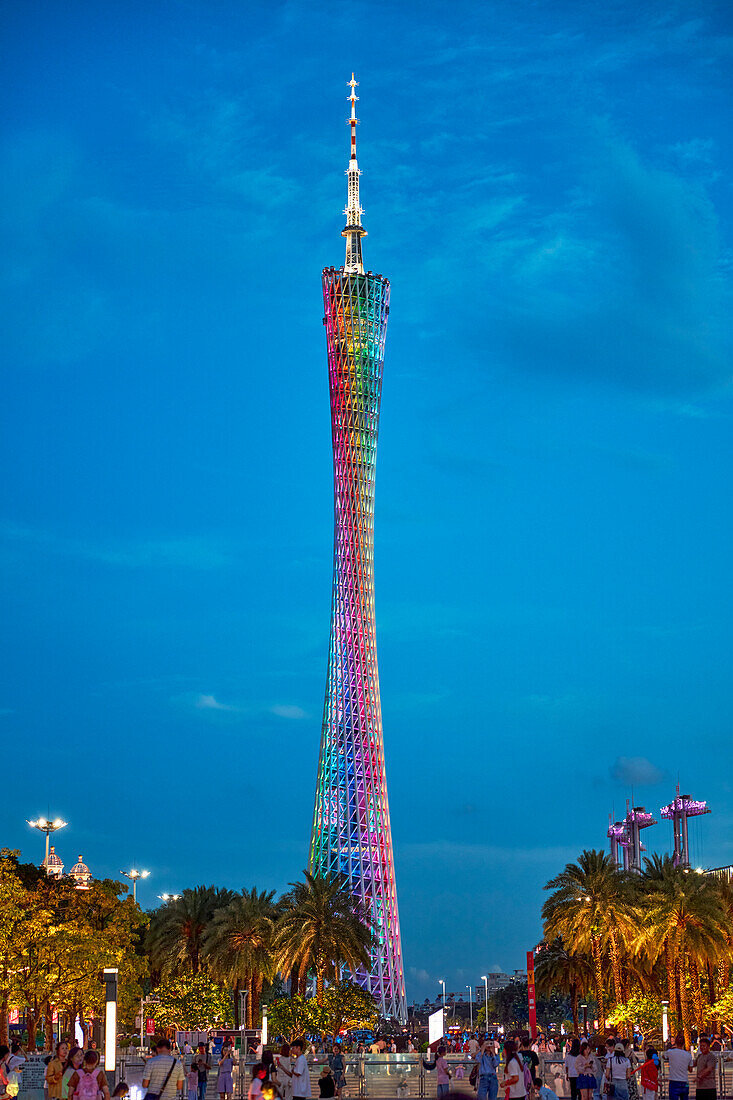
[352, 837]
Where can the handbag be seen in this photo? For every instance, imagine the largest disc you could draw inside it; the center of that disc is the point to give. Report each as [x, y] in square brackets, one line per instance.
[157, 1095]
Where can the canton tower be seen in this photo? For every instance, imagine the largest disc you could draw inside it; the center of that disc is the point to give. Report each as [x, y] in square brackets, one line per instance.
[352, 837]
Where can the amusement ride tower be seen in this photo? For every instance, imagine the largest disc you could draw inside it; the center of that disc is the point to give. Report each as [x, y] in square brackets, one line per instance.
[352, 837]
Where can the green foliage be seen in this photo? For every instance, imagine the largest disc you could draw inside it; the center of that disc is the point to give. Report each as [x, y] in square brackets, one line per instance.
[641, 1009]
[723, 1008]
[54, 941]
[289, 1017]
[345, 1005]
[187, 1002]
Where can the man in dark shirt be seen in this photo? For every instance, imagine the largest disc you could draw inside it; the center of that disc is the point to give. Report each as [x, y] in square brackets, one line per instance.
[530, 1059]
[203, 1066]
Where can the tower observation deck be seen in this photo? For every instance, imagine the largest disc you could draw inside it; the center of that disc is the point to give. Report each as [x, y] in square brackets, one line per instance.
[351, 837]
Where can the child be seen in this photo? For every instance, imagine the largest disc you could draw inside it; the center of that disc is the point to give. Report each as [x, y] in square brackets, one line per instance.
[460, 1071]
[326, 1083]
[121, 1090]
[192, 1080]
[545, 1093]
[90, 1080]
[649, 1076]
[258, 1075]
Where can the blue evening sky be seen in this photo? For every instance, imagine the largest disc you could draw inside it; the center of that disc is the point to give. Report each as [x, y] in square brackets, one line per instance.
[547, 184]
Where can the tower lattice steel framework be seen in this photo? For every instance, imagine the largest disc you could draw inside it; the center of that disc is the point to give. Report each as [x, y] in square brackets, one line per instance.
[352, 837]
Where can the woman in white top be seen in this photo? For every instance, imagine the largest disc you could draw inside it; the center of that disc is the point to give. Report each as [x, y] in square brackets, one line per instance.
[572, 1050]
[513, 1071]
[284, 1065]
[618, 1071]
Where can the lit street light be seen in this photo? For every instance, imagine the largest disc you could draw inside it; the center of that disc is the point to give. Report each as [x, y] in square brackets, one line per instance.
[133, 876]
[168, 897]
[45, 826]
[485, 980]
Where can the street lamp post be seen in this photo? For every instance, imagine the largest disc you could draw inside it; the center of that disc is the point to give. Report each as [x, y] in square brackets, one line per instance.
[110, 1021]
[665, 1021]
[485, 980]
[45, 826]
[470, 1004]
[441, 982]
[133, 876]
[585, 1021]
[242, 1022]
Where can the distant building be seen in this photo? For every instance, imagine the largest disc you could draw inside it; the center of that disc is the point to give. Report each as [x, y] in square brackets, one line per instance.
[81, 875]
[723, 873]
[498, 980]
[54, 868]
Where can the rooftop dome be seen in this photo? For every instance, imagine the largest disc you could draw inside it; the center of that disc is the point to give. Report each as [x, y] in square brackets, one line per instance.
[81, 875]
[55, 865]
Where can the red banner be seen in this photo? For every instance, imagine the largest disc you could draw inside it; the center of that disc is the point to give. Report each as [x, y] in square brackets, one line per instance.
[531, 995]
[150, 1026]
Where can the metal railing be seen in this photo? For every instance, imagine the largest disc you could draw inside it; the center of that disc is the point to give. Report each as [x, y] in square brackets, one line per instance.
[383, 1076]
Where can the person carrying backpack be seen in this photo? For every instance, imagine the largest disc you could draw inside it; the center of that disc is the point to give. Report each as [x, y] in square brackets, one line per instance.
[89, 1081]
[515, 1073]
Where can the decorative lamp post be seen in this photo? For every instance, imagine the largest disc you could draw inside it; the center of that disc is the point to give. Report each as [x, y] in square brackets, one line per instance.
[470, 1004]
[665, 1021]
[441, 982]
[133, 876]
[110, 1020]
[485, 980]
[45, 826]
[585, 1021]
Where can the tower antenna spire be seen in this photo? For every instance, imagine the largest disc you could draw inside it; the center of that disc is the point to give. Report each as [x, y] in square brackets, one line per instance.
[354, 230]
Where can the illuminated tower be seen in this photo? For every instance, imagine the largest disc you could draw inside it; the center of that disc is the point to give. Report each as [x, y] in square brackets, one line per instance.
[351, 835]
[678, 812]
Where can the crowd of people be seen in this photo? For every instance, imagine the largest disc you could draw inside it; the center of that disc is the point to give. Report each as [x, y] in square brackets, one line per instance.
[610, 1069]
[71, 1074]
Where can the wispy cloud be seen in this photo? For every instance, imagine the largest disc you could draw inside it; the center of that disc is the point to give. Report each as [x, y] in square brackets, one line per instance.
[625, 284]
[288, 710]
[636, 771]
[449, 850]
[210, 702]
[192, 552]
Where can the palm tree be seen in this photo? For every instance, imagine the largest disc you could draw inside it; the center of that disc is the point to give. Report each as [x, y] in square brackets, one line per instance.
[687, 919]
[237, 946]
[557, 968]
[725, 887]
[176, 932]
[322, 927]
[591, 909]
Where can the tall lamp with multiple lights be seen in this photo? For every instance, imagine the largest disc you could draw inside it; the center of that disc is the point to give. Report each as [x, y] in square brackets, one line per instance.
[44, 825]
[169, 897]
[133, 876]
